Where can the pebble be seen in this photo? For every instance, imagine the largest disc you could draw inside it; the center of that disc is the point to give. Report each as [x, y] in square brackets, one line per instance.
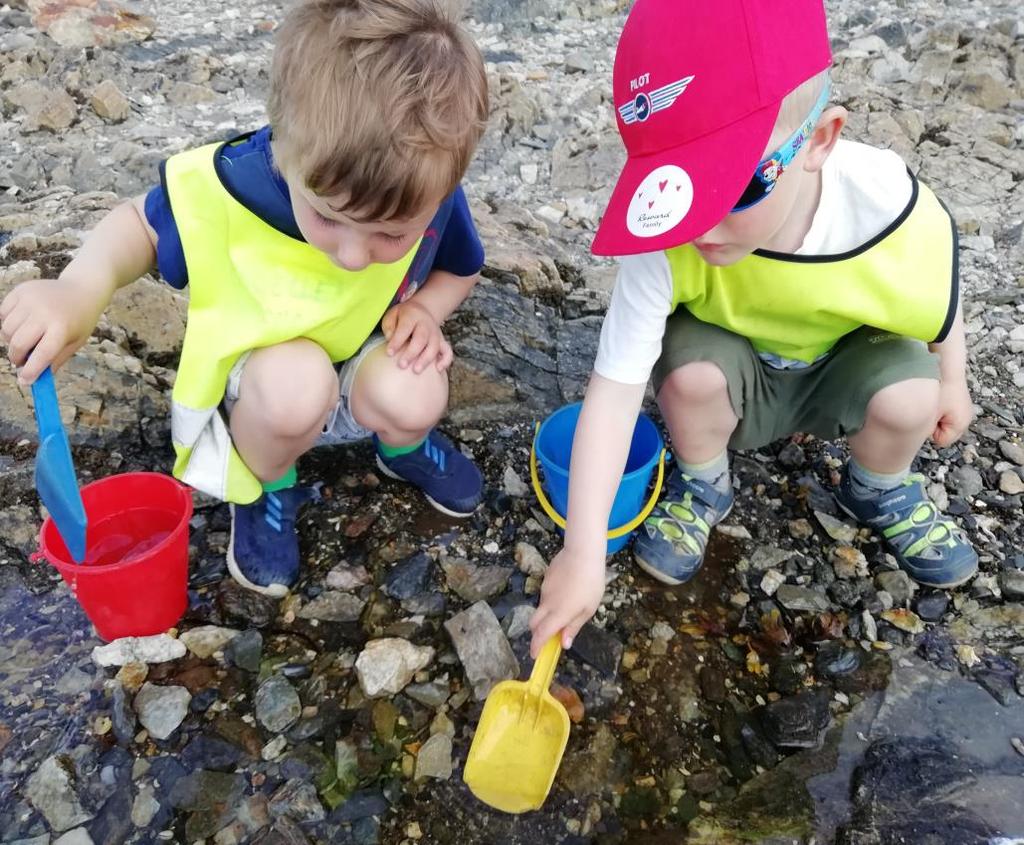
[530, 561]
[931, 606]
[772, 580]
[841, 532]
[898, 585]
[333, 606]
[474, 583]
[387, 665]
[517, 622]
[346, 578]
[1013, 451]
[965, 481]
[849, 563]
[797, 721]
[870, 626]
[132, 676]
[1011, 483]
[277, 704]
[800, 529]
[51, 791]
[157, 649]
[206, 640]
[298, 800]
[801, 598]
[78, 836]
[431, 694]
[514, 485]
[434, 759]
[161, 709]
[409, 577]
[246, 650]
[1011, 582]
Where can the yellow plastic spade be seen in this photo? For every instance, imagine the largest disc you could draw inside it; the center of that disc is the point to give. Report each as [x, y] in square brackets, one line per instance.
[520, 739]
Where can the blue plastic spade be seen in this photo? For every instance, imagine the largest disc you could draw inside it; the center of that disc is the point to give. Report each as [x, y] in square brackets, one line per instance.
[55, 472]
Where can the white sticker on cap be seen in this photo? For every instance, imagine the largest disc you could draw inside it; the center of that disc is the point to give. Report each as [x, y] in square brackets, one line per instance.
[660, 203]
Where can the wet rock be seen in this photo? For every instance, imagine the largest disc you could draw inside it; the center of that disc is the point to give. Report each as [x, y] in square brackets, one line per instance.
[898, 585]
[360, 805]
[132, 676]
[109, 102]
[206, 640]
[386, 666]
[712, 684]
[161, 709]
[410, 577]
[931, 606]
[122, 716]
[244, 607]
[835, 660]
[51, 789]
[589, 769]
[798, 721]
[157, 649]
[113, 824]
[905, 620]
[246, 651]
[145, 806]
[333, 606]
[530, 561]
[475, 583]
[482, 648]
[434, 759]
[297, 800]
[78, 836]
[277, 704]
[596, 647]
[211, 799]
[792, 456]
[210, 752]
[799, 599]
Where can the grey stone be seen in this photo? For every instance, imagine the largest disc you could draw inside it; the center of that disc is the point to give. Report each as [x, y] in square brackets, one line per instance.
[473, 583]
[161, 709]
[298, 800]
[965, 481]
[481, 645]
[246, 650]
[434, 759]
[1013, 451]
[530, 561]
[409, 577]
[207, 640]
[898, 585]
[801, 599]
[333, 606]
[277, 704]
[1011, 582]
[51, 790]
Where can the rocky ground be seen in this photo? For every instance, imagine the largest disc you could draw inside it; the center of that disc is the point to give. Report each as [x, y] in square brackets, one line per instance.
[801, 690]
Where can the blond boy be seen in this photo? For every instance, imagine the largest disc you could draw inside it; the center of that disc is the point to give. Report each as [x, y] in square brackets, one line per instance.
[322, 253]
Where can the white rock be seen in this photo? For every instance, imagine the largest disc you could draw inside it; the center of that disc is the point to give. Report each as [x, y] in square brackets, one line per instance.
[772, 580]
[162, 709]
[155, 649]
[387, 665]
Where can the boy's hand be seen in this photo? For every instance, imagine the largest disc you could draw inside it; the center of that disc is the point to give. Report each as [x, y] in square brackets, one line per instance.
[44, 321]
[572, 591]
[414, 335]
[956, 411]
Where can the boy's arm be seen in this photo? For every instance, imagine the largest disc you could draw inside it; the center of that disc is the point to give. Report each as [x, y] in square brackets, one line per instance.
[44, 321]
[956, 410]
[443, 293]
[574, 583]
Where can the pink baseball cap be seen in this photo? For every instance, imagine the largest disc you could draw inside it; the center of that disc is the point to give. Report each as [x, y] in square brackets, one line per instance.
[698, 87]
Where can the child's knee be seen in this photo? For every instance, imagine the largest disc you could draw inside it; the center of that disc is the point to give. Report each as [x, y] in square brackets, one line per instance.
[910, 405]
[292, 386]
[695, 383]
[400, 398]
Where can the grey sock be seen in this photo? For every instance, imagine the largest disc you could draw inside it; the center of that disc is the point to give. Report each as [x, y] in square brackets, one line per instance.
[865, 484]
[715, 472]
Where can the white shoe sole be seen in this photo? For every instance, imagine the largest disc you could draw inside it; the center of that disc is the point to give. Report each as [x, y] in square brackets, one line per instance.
[274, 591]
[448, 512]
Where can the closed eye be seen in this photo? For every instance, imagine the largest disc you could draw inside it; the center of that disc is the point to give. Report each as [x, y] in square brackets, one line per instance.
[325, 221]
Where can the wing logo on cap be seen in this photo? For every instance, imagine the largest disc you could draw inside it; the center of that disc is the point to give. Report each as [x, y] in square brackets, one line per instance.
[640, 109]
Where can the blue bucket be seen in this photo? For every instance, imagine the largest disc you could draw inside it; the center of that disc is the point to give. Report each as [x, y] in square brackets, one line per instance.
[553, 446]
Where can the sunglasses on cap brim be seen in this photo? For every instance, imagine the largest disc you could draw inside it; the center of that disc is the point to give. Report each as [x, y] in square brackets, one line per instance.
[771, 169]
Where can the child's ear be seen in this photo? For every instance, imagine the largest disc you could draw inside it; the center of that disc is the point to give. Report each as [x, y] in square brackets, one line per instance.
[823, 139]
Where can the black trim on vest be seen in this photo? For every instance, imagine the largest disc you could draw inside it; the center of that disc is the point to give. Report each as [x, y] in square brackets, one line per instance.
[853, 253]
[954, 284]
[218, 169]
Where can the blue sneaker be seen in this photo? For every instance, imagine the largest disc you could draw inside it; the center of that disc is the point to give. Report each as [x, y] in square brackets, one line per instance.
[671, 543]
[450, 481]
[930, 547]
[263, 553]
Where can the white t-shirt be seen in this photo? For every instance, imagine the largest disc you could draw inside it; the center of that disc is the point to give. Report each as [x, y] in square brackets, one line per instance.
[863, 190]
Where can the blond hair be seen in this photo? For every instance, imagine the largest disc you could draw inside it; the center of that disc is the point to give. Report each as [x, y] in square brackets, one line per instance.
[381, 102]
[799, 102]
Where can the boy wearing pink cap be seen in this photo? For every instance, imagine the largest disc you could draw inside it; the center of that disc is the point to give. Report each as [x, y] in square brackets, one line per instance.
[773, 279]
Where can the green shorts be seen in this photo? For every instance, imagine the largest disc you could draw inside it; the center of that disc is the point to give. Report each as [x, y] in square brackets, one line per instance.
[829, 399]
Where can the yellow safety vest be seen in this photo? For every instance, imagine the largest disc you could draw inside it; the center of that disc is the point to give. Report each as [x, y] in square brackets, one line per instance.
[904, 281]
[251, 286]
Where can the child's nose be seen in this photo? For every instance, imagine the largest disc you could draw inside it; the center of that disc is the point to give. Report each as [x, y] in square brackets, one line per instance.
[352, 253]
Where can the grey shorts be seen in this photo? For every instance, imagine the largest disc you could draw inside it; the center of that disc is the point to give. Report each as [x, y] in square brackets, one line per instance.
[341, 426]
[828, 399]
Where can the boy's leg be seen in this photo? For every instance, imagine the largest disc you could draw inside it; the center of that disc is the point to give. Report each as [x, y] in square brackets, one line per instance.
[703, 379]
[882, 391]
[279, 398]
[401, 408]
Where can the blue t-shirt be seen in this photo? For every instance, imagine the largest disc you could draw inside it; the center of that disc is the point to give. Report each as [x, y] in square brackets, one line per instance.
[246, 168]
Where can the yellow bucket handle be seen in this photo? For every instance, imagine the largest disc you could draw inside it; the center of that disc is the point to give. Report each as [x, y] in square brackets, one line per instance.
[614, 533]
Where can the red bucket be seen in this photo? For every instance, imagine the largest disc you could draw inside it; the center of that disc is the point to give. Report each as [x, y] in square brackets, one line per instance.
[134, 581]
